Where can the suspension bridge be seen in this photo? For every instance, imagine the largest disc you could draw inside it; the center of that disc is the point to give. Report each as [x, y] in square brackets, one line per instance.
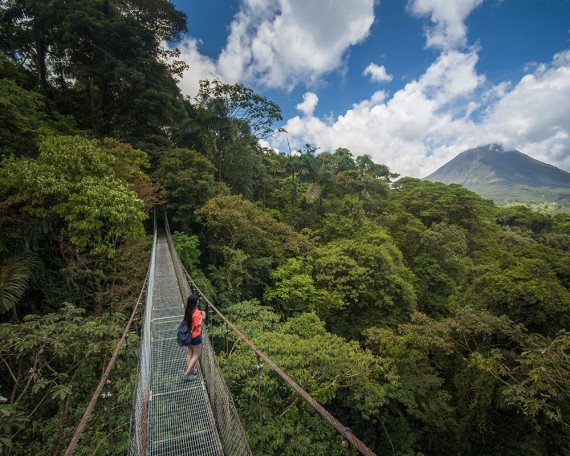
[174, 417]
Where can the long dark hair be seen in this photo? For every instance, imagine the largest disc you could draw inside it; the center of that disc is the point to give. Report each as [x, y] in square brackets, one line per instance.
[191, 305]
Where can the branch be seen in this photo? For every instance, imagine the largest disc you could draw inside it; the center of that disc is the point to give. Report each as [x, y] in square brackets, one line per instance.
[9, 370]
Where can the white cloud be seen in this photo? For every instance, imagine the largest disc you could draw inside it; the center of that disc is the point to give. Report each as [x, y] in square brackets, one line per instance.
[200, 67]
[449, 108]
[281, 43]
[429, 121]
[535, 114]
[448, 30]
[377, 73]
[309, 103]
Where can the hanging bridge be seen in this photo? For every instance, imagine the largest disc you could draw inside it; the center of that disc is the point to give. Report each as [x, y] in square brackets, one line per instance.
[174, 417]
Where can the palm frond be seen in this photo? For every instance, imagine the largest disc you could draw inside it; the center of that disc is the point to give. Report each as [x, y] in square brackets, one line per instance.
[15, 273]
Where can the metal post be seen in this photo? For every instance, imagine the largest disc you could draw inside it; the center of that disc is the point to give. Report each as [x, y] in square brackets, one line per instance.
[258, 366]
[345, 443]
[106, 395]
[227, 342]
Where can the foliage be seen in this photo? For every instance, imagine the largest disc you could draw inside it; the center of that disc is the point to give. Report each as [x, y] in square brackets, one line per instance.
[295, 291]
[527, 292]
[352, 283]
[50, 366]
[101, 60]
[188, 249]
[24, 116]
[15, 273]
[246, 241]
[72, 180]
[333, 258]
[436, 202]
[461, 379]
[241, 104]
[439, 265]
[337, 373]
[188, 180]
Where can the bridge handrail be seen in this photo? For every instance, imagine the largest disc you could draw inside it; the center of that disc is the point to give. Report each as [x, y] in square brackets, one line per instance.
[104, 377]
[343, 430]
[231, 432]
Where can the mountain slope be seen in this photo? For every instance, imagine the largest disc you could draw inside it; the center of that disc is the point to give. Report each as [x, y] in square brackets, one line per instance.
[507, 177]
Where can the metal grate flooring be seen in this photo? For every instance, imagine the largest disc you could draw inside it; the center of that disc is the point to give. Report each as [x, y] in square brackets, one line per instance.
[180, 418]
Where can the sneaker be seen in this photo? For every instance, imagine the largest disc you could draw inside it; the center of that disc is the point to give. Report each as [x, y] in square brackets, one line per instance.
[190, 377]
[195, 370]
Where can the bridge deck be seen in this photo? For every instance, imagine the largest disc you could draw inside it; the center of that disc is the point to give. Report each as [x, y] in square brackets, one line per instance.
[179, 416]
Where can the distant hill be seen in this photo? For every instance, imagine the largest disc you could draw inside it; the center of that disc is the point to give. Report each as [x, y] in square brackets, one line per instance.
[507, 177]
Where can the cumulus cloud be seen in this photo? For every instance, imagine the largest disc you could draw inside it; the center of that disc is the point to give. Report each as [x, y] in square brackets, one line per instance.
[377, 73]
[429, 121]
[449, 108]
[280, 43]
[447, 29]
[309, 103]
[535, 115]
[200, 67]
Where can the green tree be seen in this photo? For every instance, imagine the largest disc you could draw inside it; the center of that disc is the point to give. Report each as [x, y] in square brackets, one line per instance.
[352, 283]
[436, 202]
[245, 243]
[188, 178]
[439, 265]
[231, 119]
[523, 217]
[527, 291]
[338, 374]
[472, 383]
[237, 223]
[101, 60]
[24, 116]
[235, 102]
[72, 179]
[295, 291]
[47, 372]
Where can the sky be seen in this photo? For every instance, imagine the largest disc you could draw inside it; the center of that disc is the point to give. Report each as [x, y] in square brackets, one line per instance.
[412, 83]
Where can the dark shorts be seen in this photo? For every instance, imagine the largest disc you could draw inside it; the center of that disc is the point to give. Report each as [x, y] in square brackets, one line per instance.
[196, 340]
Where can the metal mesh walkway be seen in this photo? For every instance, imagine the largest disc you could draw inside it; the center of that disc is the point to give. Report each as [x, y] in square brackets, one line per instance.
[180, 418]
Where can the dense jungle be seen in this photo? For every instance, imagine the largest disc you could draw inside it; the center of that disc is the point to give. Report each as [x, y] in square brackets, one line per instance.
[426, 318]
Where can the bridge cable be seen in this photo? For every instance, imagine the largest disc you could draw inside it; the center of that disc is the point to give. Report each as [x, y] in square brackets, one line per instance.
[258, 366]
[343, 430]
[104, 378]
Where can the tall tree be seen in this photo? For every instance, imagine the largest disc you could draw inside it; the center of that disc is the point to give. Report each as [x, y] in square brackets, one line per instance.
[233, 118]
[109, 52]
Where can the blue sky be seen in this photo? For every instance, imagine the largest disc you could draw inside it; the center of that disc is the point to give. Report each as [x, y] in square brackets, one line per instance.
[410, 82]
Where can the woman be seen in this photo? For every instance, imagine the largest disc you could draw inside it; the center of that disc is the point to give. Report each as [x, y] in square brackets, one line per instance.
[193, 317]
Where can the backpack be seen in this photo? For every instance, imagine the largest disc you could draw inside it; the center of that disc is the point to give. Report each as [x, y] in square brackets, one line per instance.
[183, 336]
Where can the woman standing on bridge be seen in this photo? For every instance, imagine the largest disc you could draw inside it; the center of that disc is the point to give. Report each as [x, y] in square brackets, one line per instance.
[193, 317]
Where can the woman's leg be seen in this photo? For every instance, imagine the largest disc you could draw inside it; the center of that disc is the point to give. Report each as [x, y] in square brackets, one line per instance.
[189, 356]
[196, 352]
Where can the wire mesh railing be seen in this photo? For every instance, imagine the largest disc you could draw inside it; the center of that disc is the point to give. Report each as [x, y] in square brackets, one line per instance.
[139, 418]
[103, 385]
[173, 417]
[231, 432]
[350, 441]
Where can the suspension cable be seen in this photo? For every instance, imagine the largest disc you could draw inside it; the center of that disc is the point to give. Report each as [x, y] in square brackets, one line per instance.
[104, 378]
[343, 430]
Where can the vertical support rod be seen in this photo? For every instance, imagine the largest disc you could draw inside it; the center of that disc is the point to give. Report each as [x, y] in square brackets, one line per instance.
[210, 320]
[345, 442]
[258, 366]
[227, 342]
[106, 395]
